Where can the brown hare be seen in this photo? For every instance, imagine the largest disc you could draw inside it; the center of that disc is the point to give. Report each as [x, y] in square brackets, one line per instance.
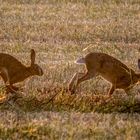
[13, 71]
[108, 67]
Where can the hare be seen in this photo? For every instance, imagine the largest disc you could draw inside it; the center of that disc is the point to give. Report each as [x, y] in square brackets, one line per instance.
[13, 71]
[109, 68]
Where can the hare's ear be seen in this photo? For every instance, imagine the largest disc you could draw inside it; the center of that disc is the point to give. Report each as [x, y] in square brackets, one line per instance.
[32, 56]
[139, 63]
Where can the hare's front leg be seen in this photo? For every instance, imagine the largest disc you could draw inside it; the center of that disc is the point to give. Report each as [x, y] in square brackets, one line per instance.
[9, 89]
[5, 76]
[79, 77]
[111, 90]
[73, 82]
[15, 88]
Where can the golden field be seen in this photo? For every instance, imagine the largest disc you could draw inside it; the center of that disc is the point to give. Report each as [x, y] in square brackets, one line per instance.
[61, 31]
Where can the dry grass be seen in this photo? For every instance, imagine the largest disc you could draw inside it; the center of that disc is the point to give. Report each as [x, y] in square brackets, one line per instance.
[59, 31]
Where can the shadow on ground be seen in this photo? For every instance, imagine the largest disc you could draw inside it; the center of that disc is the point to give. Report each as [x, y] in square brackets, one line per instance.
[59, 99]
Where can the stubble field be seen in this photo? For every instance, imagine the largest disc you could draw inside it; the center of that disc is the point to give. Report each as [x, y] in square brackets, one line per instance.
[61, 31]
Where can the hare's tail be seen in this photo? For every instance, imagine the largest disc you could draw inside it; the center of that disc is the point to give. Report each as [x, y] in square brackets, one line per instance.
[80, 61]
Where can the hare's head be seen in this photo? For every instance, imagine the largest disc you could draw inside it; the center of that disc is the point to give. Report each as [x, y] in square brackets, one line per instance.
[35, 69]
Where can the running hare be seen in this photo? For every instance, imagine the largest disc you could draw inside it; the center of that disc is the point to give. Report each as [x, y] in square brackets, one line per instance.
[13, 71]
[111, 69]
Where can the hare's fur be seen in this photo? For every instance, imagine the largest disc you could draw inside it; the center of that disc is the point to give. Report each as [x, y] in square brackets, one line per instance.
[110, 68]
[13, 71]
